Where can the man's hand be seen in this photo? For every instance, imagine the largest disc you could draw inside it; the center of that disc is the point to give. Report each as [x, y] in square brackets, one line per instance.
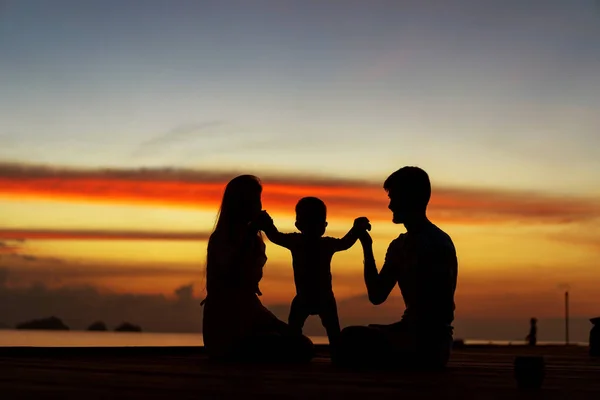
[362, 224]
[365, 239]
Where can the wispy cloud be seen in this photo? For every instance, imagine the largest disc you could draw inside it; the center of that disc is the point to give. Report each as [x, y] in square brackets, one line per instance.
[345, 198]
[589, 239]
[47, 271]
[182, 134]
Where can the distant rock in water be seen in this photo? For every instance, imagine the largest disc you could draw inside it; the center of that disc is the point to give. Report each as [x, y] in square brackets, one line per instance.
[97, 326]
[51, 324]
[127, 327]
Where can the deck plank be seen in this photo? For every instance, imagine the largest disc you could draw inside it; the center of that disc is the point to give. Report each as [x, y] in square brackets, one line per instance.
[473, 373]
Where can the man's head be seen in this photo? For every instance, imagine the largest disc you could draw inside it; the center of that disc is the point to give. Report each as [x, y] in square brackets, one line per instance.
[311, 216]
[409, 190]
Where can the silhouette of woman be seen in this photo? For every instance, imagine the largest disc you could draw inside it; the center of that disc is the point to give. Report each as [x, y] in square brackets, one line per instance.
[236, 326]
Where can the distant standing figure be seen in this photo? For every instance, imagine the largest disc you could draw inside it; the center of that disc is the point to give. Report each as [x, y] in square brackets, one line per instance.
[312, 254]
[423, 263]
[532, 337]
[236, 326]
[595, 337]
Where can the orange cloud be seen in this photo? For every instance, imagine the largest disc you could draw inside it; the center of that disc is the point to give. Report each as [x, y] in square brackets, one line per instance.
[37, 271]
[14, 234]
[345, 198]
[590, 240]
[8, 248]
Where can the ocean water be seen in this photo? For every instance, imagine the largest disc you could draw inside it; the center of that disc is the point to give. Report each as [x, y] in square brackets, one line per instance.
[37, 338]
[34, 338]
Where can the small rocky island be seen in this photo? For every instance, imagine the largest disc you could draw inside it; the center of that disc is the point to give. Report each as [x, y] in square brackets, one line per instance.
[97, 326]
[51, 324]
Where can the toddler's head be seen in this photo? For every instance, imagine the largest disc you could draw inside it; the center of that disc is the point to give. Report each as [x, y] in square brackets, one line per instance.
[311, 216]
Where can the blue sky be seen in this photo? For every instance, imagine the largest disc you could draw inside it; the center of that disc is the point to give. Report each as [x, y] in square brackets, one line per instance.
[480, 93]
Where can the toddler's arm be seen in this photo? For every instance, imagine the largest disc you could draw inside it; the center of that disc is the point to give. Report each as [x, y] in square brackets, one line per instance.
[268, 227]
[361, 225]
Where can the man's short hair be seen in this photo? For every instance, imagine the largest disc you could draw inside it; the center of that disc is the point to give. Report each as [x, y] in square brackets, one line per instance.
[413, 183]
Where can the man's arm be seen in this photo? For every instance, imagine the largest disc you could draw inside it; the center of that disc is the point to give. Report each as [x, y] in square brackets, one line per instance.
[379, 284]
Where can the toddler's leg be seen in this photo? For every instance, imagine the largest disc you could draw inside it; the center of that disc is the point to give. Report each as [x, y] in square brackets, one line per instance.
[298, 314]
[330, 320]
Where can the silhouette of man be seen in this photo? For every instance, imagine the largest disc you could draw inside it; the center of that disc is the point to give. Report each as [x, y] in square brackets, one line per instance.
[423, 263]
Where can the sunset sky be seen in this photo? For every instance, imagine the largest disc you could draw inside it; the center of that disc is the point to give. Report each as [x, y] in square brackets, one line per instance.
[121, 122]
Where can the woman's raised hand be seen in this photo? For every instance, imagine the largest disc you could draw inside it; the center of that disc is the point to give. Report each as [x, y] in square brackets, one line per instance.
[263, 220]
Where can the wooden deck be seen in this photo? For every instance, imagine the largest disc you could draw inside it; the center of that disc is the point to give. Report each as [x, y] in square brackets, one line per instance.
[177, 373]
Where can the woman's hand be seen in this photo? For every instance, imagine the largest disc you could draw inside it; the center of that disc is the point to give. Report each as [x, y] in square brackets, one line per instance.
[259, 222]
[263, 221]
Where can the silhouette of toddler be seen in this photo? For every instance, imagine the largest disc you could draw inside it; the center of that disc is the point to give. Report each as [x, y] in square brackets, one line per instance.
[311, 259]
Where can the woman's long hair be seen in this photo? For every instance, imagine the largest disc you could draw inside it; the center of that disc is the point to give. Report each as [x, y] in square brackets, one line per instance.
[241, 194]
[241, 197]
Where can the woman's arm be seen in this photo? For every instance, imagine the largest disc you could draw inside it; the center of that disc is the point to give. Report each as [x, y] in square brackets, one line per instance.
[228, 259]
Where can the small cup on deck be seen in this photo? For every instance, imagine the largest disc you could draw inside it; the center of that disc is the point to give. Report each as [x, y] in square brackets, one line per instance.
[529, 371]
